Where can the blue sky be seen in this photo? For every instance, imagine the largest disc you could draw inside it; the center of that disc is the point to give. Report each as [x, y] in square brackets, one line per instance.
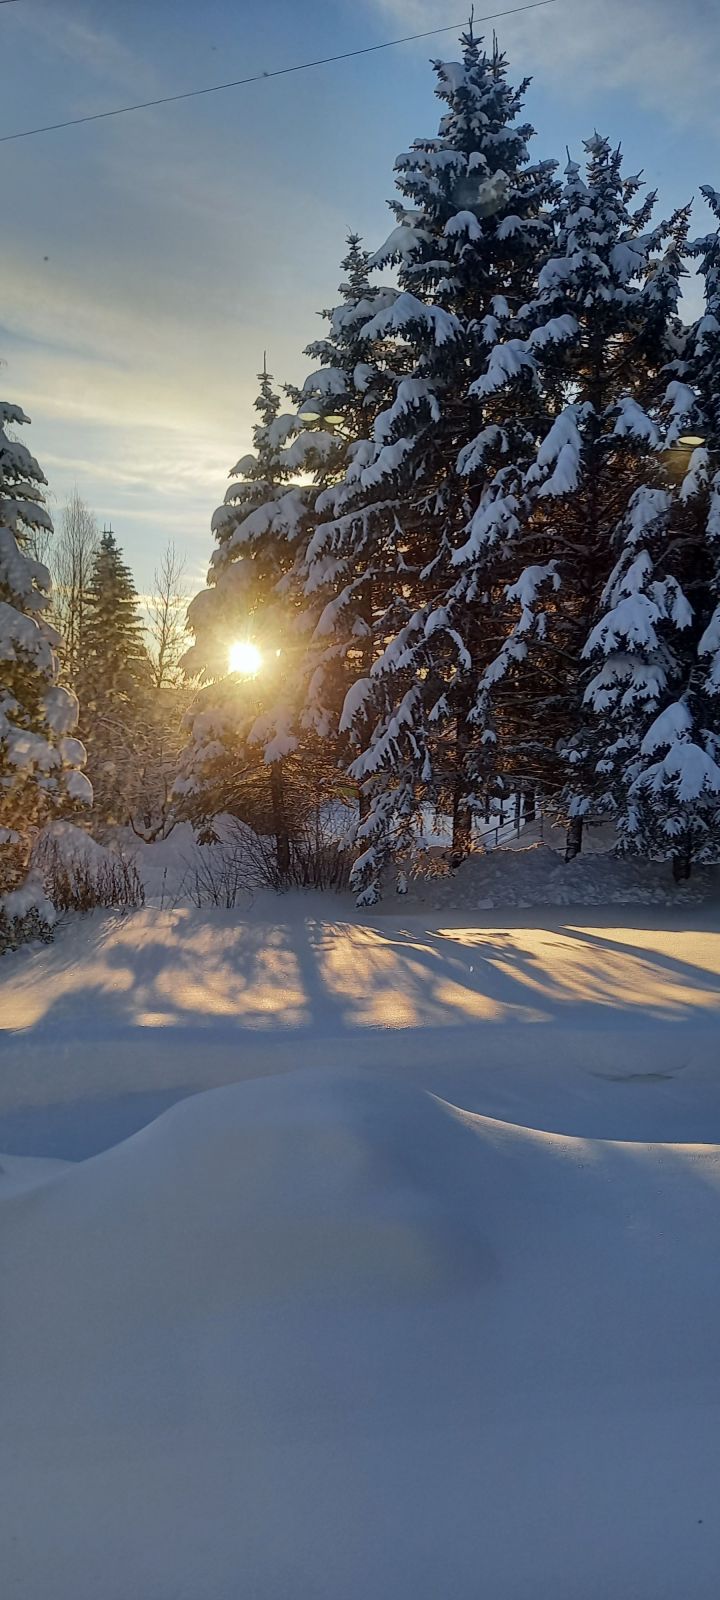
[181, 242]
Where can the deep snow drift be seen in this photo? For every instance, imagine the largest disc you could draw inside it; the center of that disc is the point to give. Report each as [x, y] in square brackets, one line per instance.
[323, 1336]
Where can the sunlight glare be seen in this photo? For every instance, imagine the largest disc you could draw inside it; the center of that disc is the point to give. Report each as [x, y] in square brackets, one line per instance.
[245, 658]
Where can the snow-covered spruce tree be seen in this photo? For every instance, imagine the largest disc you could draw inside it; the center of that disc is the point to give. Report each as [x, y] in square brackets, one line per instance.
[243, 728]
[656, 647]
[652, 775]
[347, 557]
[701, 489]
[612, 285]
[114, 682]
[442, 464]
[40, 761]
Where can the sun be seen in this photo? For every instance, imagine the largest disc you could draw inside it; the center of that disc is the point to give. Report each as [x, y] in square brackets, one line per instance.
[244, 658]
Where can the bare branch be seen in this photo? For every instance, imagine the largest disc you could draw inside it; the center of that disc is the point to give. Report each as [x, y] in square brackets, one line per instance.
[69, 556]
[166, 612]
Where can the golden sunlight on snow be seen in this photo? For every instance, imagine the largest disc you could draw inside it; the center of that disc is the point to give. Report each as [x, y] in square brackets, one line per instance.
[154, 969]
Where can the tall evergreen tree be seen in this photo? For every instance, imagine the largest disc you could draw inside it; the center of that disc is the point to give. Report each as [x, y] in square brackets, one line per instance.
[114, 680]
[701, 489]
[268, 582]
[255, 529]
[244, 727]
[443, 459]
[40, 761]
[656, 734]
[345, 561]
[612, 285]
[638, 739]
[116, 658]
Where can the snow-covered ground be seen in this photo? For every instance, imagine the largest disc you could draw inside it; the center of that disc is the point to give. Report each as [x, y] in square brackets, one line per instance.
[594, 1022]
[324, 1335]
[422, 1303]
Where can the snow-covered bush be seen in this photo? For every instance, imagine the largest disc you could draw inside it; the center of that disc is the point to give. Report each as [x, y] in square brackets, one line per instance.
[26, 913]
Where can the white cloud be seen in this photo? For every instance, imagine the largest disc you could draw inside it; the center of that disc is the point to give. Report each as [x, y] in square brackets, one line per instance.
[667, 53]
[68, 31]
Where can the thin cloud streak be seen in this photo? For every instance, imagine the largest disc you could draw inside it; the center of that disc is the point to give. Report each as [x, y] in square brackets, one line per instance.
[98, 51]
[668, 54]
[179, 245]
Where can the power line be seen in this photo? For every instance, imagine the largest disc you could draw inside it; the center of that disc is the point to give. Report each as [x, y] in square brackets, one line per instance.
[257, 77]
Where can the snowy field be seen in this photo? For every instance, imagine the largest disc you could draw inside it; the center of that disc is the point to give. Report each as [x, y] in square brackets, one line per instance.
[423, 1302]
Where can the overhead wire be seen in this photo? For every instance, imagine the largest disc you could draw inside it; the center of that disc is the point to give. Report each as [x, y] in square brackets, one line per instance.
[258, 77]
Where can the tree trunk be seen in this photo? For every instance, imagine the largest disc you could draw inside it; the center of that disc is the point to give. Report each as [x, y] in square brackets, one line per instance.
[461, 825]
[461, 814]
[529, 805]
[280, 828]
[573, 838]
[367, 657]
[682, 865]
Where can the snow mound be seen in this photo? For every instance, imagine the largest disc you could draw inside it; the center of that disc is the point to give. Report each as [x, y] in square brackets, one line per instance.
[304, 1183]
[539, 876]
[318, 1335]
[19, 1174]
[70, 844]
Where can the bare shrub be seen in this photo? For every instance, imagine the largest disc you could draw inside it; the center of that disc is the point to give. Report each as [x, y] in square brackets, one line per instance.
[241, 862]
[220, 878]
[87, 882]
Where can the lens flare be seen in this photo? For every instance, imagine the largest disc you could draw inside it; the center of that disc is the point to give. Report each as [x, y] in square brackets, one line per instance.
[244, 658]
